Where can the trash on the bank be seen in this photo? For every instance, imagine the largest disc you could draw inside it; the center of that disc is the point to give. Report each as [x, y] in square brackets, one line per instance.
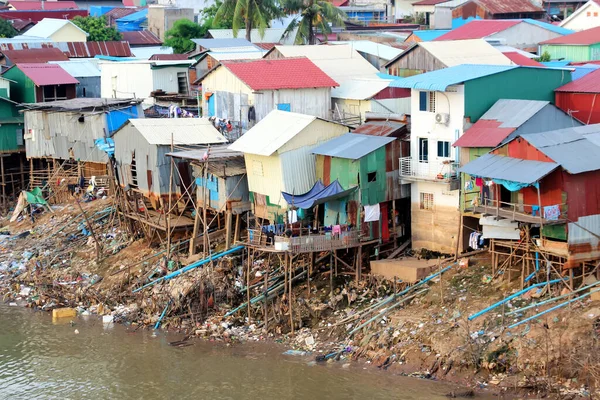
[107, 319]
[64, 313]
[76, 331]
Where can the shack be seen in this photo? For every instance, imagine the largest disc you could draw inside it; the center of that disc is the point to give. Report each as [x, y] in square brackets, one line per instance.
[578, 46]
[278, 156]
[578, 98]
[35, 83]
[87, 73]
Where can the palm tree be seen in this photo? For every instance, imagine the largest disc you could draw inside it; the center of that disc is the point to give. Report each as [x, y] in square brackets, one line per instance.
[249, 14]
[312, 14]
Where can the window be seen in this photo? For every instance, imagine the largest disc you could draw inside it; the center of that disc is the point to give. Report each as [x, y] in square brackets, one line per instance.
[426, 201]
[83, 90]
[55, 92]
[423, 150]
[589, 14]
[427, 101]
[182, 83]
[19, 137]
[443, 149]
[257, 168]
[372, 177]
[284, 107]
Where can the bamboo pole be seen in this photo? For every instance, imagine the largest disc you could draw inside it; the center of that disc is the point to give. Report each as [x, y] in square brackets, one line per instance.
[290, 300]
[98, 249]
[248, 281]
[168, 219]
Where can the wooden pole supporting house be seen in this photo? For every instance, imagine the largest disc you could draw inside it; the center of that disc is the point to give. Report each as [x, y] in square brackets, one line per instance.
[236, 234]
[22, 170]
[266, 291]
[290, 297]
[204, 201]
[3, 184]
[540, 210]
[167, 216]
[228, 222]
[330, 274]
[248, 281]
[31, 173]
[394, 226]
[336, 261]
[192, 249]
[311, 261]
[359, 264]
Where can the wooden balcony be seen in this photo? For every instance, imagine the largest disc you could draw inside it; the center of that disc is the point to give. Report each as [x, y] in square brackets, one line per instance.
[304, 244]
[513, 212]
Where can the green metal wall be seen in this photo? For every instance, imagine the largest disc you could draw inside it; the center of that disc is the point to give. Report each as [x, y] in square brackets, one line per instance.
[345, 171]
[373, 192]
[23, 89]
[571, 53]
[10, 121]
[466, 198]
[518, 83]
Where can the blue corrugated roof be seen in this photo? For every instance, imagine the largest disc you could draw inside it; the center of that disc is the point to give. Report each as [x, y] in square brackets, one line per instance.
[508, 168]
[556, 64]
[136, 16]
[383, 75]
[352, 146]
[583, 70]
[428, 36]
[440, 80]
[550, 27]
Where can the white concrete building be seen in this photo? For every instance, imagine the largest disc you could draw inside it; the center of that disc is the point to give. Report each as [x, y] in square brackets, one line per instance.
[586, 17]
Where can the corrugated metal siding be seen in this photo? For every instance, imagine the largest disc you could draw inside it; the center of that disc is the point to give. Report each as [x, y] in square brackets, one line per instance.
[123, 80]
[517, 83]
[228, 90]
[298, 170]
[373, 192]
[583, 245]
[315, 102]
[581, 105]
[55, 132]
[317, 132]
[166, 78]
[567, 52]
[525, 36]
[91, 86]
[129, 141]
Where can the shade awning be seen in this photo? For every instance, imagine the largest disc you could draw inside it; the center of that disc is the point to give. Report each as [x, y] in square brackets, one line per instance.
[318, 194]
[493, 166]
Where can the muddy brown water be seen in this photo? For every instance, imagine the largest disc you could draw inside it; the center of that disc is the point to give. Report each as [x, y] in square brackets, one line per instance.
[42, 360]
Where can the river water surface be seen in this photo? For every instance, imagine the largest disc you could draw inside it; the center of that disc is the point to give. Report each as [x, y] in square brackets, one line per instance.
[42, 360]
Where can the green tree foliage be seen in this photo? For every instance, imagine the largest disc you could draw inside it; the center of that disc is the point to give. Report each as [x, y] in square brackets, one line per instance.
[313, 14]
[207, 17]
[248, 14]
[97, 28]
[6, 29]
[178, 37]
[545, 57]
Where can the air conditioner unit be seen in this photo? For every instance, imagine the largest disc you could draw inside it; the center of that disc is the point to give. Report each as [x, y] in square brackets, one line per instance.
[442, 118]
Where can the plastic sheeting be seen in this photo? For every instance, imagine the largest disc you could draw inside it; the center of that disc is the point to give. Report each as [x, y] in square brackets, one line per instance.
[107, 145]
[514, 186]
[318, 194]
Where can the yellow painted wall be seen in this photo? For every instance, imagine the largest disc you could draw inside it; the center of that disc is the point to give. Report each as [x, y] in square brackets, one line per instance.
[222, 80]
[317, 132]
[69, 33]
[265, 176]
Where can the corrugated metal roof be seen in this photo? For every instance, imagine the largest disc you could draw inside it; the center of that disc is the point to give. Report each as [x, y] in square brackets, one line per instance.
[569, 147]
[47, 74]
[168, 57]
[479, 29]
[79, 68]
[582, 70]
[514, 113]
[509, 49]
[48, 27]
[20, 24]
[508, 168]
[93, 49]
[148, 51]
[183, 131]
[352, 146]
[590, 83]
[35, 55]
[551, 27]
[519, 59]
[484, 133]
[382, 51]
[509, 6]
[82, 104]
[135, 17]
[282, 73]
[22, 5]
[272, 132]
[211, 44]
[141, 38]
[234, 55]
[119, 12]
[271, 35]
[427, 36]
[587, 37]
[380, 128]
[429, 2]
[470, 51]
[440, 80]
[360, 88]
[222, 162]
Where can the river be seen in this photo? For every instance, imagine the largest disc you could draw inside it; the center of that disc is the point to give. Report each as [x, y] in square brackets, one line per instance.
[42, 360]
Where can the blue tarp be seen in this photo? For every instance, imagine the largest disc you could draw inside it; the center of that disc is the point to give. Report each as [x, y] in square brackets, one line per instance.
[132, 22]
[318, 194]
[106, 145]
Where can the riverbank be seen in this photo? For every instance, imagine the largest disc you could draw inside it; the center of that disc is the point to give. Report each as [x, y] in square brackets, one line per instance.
[53, 262]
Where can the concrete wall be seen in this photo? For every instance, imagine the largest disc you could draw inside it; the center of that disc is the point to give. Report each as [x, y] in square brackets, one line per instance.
[161, 19]
[582, 20]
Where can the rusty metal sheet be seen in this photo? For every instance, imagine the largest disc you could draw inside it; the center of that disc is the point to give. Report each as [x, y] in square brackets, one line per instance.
[92, 49]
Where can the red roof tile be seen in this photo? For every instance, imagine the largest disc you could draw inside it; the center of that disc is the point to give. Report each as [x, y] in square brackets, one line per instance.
[167, 57]
[141, 38]
[589, 83]
[35, 55]
[47, 74]
[93, 49]
[484, 133]
[283, 73]
[509, 6]
[520, 59]
[20, 24]
[22, 5]
[587, 37]
[479, 29]
[429, 2]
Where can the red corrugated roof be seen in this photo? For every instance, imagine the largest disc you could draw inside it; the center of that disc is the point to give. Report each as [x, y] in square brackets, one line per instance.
[379, 128]
[520, 59]
[484, 133]
[47, 74]
[20, 24]
[587, 37]
[509, 6]
[30, 56]
[479, 29]
[265, 46]
[141, 38]
[340, 3]
[93, 49]
[22, 5]
[429, 2]
[169, 57]
[38, 15]
[589, 83]
[283, 73]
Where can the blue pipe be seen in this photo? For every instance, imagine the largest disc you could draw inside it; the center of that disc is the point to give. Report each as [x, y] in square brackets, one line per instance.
[556, 307]
[162, 315]
[512, 296]
[190, 267]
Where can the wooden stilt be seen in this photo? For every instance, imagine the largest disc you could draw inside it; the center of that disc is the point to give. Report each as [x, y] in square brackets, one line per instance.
[22, 170]
[228, 222]
[266, 288]
[31, 181]
[310, 267]
[330, 274]
[167, 214]
[336, 262]
[359, 264]
[195, 230]
[290, 297]
[236, 234]
[248, 281]
[3, 184]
